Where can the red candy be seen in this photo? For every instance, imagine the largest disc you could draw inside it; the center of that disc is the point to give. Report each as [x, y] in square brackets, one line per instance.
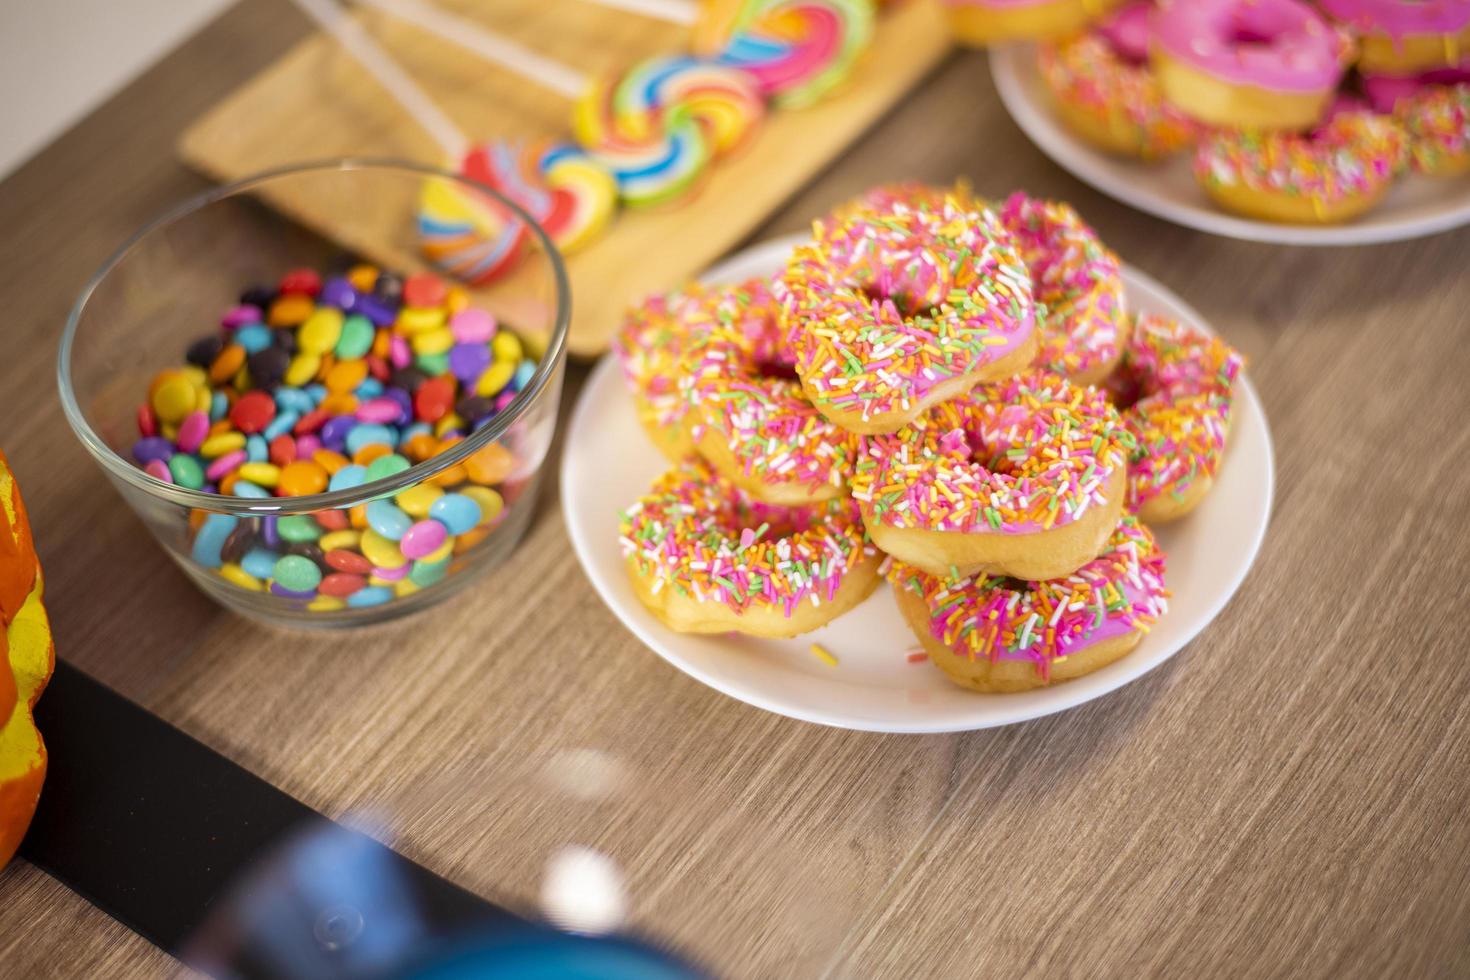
[147, 421]
[253, 412]
[434, 398]
[311, 421]
[348, 561]
[302, 281]
[341, 583]
[332, 520]
[378, 367]
[423, 289]
[283, 450]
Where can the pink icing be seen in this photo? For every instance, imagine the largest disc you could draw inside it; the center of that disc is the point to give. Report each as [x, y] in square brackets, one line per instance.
[1402, 18]
[1280, 45]
[1127, 31]
[1384, 91]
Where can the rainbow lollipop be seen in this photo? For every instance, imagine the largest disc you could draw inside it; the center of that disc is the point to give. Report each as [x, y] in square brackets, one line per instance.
[798, 50]
[569, 194]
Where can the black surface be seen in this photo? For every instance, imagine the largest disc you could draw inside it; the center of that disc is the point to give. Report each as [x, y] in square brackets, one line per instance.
[155, 828]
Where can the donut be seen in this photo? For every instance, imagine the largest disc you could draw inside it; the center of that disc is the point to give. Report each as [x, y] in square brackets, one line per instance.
[1105, 92]
[1383, 91]
[1436, 120]
[1026, 477]
[1078, 287]
[1247, 64]
[984, 22]
[1336, 172]
[1175, 388]
[652, 345]
[754, 424]
[997, 634]
[1401, 37]
[892, 309]
[704, 557]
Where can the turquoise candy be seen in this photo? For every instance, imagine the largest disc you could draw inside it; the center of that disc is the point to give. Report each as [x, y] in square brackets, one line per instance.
[257, 450]
[244, 488]
[385, 466]
[317, 391]
[210, 539]
[370, 388]
[298, 527]
[356, 338]
[281, 424]
[373, 595]
[186, 471]
[297, 573]
[426, 573]
[347, 477]
[260, 563]
[456, 512]
[385, 518]
[290, 399]
[370, 434]
[254, 337]
[219, 406]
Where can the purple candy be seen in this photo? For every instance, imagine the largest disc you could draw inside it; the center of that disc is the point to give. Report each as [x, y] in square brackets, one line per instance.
[393, 574]
[334, 433]
[150, 448]
[383, 410]
[241, 315]
[403, 399]
[338, 292]
[269, 532]
[280, 590]
[468, 361]
[380, 313]
[423, 538]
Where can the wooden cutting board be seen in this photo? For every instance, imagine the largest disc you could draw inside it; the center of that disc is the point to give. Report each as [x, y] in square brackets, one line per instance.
[316, 103]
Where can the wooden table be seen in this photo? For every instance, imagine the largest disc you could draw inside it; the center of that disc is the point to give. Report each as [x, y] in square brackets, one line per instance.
[1286, 797]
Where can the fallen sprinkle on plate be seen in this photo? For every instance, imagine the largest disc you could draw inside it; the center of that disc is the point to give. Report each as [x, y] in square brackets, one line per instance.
[918, 657]
[822, 653]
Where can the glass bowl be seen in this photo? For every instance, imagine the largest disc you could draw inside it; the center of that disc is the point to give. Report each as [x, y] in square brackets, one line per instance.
[175, 281]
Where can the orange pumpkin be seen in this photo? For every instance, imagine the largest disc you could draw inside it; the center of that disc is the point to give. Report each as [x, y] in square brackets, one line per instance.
[26, 660]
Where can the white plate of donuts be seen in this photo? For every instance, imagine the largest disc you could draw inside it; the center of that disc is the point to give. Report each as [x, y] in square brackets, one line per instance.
[1068, 97]
[865, 669]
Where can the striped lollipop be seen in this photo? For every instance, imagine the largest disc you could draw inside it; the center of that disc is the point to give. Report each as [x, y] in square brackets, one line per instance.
[797, 50]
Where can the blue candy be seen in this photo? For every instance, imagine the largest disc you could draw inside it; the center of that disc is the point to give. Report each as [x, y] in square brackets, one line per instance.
[523, 374]
[347, 477]
[290, 399]
[370, 388]
[318, 392]
[260, 563]
[211, 539]
[256, 449]
[370, 434]
[456, 512]
[219, 405]
[385, 518]
[244, 488]
[254, 337]
[280, 425]
[373, 595]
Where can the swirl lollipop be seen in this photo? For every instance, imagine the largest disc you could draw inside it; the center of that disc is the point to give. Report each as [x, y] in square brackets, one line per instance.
[798, 50]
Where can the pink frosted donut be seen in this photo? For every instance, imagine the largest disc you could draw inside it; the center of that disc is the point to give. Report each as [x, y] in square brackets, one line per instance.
[1106, 92]
[1077, 282]
[1383, 91]
[893, 308]
[1251, 64]
[1403, 36]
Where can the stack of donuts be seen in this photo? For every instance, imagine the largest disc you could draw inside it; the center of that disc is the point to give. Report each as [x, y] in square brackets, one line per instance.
[1295, 112]
[940, 391]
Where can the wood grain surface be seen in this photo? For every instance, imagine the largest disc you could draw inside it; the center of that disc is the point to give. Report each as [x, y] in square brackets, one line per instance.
[316, 103]
[1287, 797]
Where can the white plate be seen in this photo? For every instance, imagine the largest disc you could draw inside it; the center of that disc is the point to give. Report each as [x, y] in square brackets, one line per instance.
[608, 463]
[1416, 206]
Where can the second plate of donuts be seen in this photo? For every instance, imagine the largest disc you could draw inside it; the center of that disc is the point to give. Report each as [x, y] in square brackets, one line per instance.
[996, 474]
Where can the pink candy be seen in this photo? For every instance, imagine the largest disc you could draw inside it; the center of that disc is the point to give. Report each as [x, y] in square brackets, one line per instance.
[225, 464]
[158, 469]
[424, 538]
[383, 410]
[473, 326]
[192, 431]
[240, 316]
[393, 574]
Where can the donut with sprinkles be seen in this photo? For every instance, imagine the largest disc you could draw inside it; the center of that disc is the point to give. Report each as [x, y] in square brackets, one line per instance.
[1026, 478]
[1078, 286]
[755, 425]
[1176, 387]
[1336, 172]
[705, 557]
[1437, 121]
[997, 634]
[1105, 91]
[894, 308]
[652, 346]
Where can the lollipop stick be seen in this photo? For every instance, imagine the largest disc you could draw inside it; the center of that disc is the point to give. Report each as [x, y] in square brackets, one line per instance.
[684, 12]
[492, 47]
[380, 65]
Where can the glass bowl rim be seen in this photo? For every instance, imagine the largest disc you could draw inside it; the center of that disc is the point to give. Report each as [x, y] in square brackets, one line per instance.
[551, 358]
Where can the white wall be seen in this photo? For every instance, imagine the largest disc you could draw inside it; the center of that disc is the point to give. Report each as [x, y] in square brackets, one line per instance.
[59, 59]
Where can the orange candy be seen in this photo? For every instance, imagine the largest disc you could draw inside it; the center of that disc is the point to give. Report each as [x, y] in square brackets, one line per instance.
[227, 364]
[370, 452]
[301, 478]
[420, 447]
[358, 516]
[344, 376]
[490, 465]
[329, 461]
[339, 403]
[290, 310]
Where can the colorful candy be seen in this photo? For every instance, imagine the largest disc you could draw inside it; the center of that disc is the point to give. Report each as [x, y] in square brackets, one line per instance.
[798, 50]
[338, 384]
